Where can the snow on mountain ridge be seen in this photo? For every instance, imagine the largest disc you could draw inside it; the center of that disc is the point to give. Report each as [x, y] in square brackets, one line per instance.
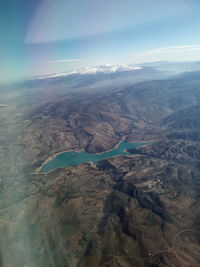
[95, 70]
[109, 69]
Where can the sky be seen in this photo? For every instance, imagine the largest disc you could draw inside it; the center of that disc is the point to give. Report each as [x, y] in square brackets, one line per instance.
[40, 37]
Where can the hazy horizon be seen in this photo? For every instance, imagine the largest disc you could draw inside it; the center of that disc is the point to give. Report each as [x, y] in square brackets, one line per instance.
[43, 37]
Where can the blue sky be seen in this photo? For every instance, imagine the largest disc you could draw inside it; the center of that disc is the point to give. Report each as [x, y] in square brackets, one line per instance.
[48, 36]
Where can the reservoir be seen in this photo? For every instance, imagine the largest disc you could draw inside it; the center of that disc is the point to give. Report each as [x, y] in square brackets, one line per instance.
[72, 158]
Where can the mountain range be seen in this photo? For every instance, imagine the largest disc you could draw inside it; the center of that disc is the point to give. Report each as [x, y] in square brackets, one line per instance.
[139, 210]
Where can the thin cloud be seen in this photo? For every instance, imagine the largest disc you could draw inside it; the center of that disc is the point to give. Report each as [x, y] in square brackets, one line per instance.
[72, 60]
[175, 49]
[171, 53]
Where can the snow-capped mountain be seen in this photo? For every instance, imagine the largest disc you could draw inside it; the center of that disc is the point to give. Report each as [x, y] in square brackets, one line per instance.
[109, 69]
[96, 70]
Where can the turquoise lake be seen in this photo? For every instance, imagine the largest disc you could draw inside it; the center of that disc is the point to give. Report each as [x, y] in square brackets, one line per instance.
[72, 158]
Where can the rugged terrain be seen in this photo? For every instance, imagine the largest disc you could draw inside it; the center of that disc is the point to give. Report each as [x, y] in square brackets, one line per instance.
[137, 210]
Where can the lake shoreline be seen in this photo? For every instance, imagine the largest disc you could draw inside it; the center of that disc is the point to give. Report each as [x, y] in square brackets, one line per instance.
[37, 171]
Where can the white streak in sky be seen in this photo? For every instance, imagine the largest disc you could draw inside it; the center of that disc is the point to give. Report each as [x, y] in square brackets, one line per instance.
[175, 49]
[65, 61]
[169, 53]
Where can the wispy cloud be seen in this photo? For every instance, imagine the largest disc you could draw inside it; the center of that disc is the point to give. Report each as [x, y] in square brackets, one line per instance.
[175, 49]
[67, 60]
[172, 53]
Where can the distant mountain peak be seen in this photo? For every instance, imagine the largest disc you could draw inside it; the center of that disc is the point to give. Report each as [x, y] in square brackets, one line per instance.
[109, 69]
[96, 70]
